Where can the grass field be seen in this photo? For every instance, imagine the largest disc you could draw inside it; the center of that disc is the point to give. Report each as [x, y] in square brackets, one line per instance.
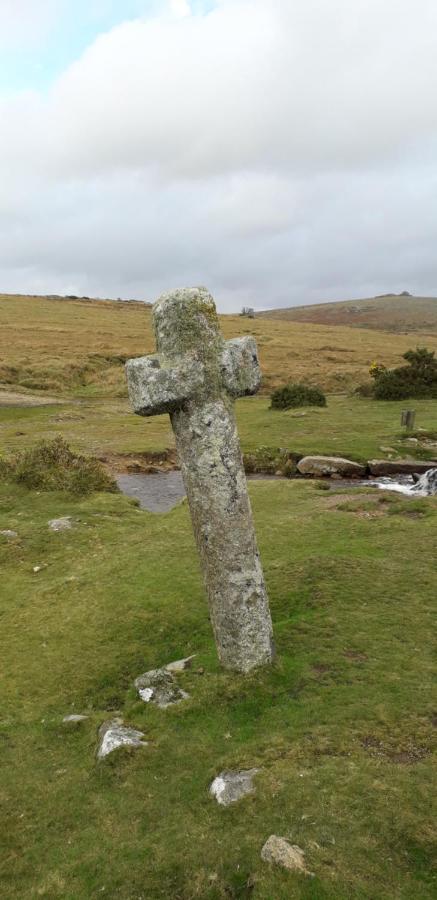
[392, 312]
[342, 726]
[361, 429]
[77, 348]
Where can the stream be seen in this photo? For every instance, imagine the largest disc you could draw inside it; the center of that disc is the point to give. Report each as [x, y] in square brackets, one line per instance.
[161, 492]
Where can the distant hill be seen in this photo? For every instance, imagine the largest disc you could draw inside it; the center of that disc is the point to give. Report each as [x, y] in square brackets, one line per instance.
[388, 312]
[66, 347]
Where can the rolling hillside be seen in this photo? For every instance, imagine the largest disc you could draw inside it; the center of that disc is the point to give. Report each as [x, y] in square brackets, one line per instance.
[392, 312]
[78, 347]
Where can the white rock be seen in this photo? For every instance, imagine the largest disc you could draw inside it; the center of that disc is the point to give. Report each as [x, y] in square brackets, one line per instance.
[180, 664]
[62, 524]
[228, 787]
[74, 717]
[7, 533]
[289, 856]
[146, 694]
[114, 734]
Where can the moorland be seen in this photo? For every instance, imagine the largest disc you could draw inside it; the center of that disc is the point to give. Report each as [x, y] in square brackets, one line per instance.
[342, 726]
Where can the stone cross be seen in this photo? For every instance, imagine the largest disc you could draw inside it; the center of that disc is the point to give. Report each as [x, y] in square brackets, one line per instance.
[195, 377]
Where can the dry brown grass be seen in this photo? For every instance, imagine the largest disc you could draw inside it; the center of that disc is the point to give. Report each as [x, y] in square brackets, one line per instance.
[78, 347]
[389, 313]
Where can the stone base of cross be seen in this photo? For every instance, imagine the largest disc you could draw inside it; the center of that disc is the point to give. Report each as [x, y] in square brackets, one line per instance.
[195, 377]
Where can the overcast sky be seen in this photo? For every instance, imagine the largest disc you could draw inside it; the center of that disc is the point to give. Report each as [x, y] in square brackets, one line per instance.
[278, 151]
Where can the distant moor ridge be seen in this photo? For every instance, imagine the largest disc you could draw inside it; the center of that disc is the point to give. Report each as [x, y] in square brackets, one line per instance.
[388, 312]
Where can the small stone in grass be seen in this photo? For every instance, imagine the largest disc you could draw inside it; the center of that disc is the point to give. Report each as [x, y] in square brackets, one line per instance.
[114, 734]
[229, 787]
[289, 856]
[159, 686]
[62, 524]
[179, 665]
[74, 717]
[7, 533]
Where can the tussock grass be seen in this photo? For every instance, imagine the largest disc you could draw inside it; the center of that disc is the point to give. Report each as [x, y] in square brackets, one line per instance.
[53, 466]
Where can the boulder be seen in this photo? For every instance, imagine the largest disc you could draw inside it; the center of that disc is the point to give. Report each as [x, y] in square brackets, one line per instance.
[229, 787]
[289, 856]
[330, 465]
[395, 467]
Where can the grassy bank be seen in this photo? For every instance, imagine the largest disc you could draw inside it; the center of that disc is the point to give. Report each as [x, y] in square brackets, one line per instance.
[361, 429]
[342, 726]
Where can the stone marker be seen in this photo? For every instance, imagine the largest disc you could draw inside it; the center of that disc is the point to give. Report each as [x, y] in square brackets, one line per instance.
[195, 377]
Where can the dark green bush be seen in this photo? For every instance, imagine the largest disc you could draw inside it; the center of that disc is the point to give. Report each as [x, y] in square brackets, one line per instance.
[417, 379]
[297, 394]
[53, 466]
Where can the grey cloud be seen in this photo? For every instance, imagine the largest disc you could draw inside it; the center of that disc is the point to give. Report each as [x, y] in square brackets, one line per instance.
[280, 153]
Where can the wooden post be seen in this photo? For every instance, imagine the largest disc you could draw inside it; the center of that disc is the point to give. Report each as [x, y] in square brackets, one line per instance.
[408, 418]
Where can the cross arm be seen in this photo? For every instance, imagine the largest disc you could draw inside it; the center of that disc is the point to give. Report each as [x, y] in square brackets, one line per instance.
[241, 372]
[154, 390]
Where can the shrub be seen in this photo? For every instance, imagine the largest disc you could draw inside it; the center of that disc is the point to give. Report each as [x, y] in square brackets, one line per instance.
[417, 379]
[53, 466]
[297, 394]
[270, 461]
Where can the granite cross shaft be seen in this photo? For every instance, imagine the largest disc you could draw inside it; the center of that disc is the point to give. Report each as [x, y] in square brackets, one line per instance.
[194, 377]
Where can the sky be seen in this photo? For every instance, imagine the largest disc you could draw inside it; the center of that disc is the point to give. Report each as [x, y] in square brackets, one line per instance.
[280, 152]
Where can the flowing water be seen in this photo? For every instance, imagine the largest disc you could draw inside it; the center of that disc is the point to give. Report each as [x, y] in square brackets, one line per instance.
[161, 492]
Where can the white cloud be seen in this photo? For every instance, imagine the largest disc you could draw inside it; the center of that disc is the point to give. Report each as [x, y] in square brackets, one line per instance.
[284, 147]
[24, 23]
[180, 8]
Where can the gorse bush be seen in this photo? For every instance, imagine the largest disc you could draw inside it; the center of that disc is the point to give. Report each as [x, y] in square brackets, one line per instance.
[53, 466]
[297, 394]
[417, 379]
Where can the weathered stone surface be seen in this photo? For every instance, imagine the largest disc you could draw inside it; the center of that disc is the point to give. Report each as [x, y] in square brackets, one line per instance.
[74, 718]
[399, 466]
[62, 524]
[200, 375]
[114, 734]
[289, 856]
[158, 686]
[7, 533]
[330, 465]
[229, 787]
[179, 665]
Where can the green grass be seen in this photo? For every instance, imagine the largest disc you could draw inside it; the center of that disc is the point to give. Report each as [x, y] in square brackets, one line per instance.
[348, 426]
[342, 725]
